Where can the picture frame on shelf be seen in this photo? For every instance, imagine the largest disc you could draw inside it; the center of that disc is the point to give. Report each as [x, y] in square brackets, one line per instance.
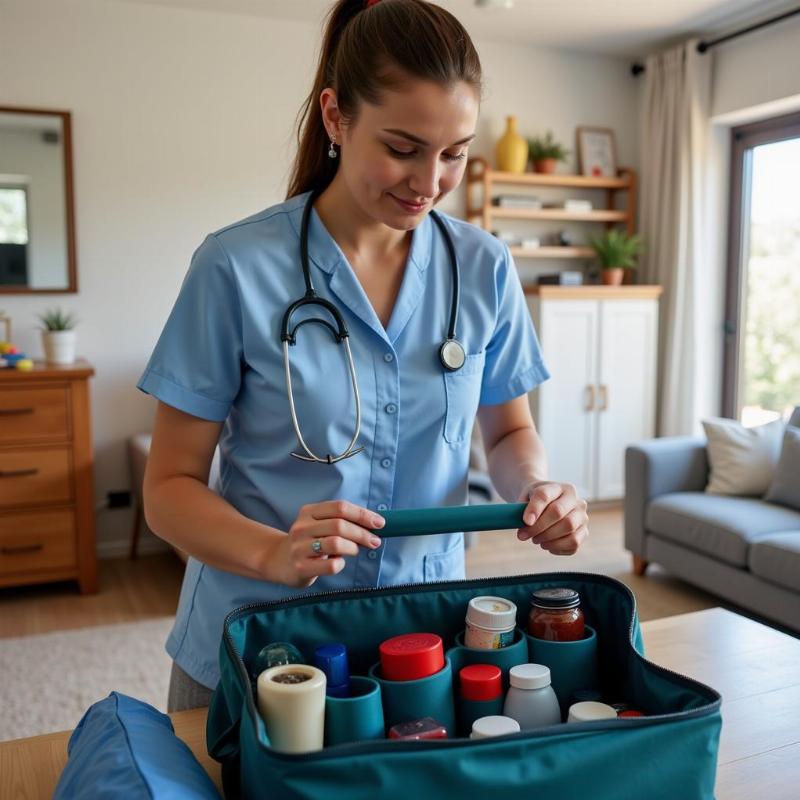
[597, 152]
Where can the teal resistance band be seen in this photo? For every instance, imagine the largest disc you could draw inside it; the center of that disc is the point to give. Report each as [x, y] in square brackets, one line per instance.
[423, 521]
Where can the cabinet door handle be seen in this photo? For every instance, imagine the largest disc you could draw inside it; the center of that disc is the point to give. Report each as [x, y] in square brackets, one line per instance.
[17, 473]
[10, 412]
[20, 549]
[603, 397]
[590, 399]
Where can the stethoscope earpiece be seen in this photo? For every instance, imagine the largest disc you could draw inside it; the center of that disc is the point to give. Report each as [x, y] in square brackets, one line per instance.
[451, 353]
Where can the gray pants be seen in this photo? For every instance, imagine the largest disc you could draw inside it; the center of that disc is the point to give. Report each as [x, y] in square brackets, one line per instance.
[185, 692]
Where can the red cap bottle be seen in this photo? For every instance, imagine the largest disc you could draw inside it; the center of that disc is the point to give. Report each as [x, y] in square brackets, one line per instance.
[481, 682]
[411, 656]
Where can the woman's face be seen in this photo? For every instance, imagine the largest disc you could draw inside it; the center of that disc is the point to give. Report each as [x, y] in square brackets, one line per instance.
[398, 159]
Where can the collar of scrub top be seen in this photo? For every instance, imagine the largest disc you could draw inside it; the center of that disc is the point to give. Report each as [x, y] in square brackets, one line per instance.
[451, 352]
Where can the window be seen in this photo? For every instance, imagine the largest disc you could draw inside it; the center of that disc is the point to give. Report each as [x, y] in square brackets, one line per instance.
[762, 351]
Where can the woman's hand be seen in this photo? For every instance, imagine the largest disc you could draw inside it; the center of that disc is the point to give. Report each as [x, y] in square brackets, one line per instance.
[555, 517]
[339, 528]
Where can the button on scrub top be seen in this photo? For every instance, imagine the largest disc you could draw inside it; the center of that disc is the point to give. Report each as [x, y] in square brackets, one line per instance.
[219, 357]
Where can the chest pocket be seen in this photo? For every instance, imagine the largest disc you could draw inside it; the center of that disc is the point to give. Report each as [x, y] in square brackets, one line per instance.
[463, 391]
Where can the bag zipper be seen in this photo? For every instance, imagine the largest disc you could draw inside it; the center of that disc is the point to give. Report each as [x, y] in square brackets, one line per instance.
[380, 745]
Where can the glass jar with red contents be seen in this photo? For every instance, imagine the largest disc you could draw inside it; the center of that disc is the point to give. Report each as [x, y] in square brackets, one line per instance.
[556, 615]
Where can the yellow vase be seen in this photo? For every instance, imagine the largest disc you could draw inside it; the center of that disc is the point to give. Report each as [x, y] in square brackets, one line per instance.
[512, 149]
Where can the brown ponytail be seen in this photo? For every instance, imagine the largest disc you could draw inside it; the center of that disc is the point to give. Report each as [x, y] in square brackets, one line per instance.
[366, 51]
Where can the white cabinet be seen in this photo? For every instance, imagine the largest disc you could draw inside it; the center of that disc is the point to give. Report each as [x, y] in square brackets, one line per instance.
[600, 346]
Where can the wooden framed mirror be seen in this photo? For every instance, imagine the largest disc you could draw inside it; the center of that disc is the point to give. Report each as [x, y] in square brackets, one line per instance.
[37, 212]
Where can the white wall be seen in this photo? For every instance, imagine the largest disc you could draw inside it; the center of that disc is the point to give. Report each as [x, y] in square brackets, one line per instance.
[182, 122]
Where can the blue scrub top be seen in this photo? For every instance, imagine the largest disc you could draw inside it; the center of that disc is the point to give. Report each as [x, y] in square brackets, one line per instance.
[220, 358]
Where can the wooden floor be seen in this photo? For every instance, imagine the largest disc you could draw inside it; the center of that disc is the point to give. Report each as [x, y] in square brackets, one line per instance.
[129, 591]
[149, 587]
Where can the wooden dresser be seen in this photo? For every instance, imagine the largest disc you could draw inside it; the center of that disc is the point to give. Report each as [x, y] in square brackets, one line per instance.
[47, 526]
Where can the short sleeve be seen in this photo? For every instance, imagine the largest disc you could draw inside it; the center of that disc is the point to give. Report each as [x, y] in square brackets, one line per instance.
[196, 366]
[514, 364]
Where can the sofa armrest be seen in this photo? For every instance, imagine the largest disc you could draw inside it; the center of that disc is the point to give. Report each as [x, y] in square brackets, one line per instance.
[656, 467]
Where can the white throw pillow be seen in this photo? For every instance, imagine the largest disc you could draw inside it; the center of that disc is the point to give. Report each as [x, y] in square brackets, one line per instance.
[742, 460]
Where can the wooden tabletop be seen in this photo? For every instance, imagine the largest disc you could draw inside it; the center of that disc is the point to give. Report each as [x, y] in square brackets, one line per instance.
[30, 768]
[755, 668]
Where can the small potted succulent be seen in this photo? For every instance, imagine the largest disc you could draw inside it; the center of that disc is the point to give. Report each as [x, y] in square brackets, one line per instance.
[58, 336]
[545, 153]
[616, 251]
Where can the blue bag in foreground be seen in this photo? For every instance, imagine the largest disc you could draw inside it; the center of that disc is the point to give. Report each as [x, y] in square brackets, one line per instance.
[669, 753]
[124, 747]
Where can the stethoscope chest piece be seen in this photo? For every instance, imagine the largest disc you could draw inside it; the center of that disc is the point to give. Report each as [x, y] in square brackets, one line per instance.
[452, 355]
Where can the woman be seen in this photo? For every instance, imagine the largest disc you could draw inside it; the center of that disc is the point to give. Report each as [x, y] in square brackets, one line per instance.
[383, 138]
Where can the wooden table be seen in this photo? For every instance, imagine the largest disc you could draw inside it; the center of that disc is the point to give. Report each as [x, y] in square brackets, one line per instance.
[755, 668]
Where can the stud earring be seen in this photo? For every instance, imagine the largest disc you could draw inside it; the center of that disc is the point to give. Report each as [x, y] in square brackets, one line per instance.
[332, 150]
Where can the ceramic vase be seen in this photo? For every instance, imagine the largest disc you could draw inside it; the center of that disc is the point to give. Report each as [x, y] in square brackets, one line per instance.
[512, 149]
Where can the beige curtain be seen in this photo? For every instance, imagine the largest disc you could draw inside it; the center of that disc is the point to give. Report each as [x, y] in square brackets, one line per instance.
[674, 149]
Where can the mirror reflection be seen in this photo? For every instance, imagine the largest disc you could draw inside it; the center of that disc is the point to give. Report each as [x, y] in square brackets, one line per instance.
[36, 249]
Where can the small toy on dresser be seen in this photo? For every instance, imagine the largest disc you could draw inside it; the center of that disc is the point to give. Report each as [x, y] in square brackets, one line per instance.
[12, 358]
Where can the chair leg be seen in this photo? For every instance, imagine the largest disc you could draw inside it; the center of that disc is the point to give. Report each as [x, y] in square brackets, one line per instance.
[639, 565]
[137, 525]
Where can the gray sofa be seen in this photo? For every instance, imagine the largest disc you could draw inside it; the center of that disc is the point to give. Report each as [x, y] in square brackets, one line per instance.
[743, 549]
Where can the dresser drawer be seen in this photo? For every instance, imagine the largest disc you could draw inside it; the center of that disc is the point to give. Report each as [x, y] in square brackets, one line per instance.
[35, 476]
[44, 540]
[34, 414]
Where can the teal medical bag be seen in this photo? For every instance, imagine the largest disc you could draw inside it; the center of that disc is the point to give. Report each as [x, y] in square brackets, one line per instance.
[669, 754]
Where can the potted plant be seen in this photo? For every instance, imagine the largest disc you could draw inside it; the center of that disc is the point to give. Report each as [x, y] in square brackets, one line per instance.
[616, 251]
[58, 336]
[545, 152]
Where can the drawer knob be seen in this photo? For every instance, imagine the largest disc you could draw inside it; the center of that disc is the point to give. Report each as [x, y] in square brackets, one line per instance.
[20, 549]
[8, 412]
[17, 473]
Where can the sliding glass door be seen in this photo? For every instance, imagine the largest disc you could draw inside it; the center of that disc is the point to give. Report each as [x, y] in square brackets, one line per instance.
[762, 353]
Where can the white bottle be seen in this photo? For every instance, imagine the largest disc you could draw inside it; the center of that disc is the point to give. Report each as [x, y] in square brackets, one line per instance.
[291, 699]
[531, 700]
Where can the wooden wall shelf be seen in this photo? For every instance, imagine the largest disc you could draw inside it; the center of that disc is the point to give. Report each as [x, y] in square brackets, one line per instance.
[480, 178]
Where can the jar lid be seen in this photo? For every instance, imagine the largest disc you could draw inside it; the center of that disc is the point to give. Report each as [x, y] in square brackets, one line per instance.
[492, 613]
[411, 656]
[481, 682]
[559, 597]
[485, 727]
[529, 676]
[590, 711]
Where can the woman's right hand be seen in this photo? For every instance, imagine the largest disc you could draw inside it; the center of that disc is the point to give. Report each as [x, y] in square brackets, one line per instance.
[339, 526]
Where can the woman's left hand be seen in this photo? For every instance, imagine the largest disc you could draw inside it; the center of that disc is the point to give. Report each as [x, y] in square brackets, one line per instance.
[555, 517]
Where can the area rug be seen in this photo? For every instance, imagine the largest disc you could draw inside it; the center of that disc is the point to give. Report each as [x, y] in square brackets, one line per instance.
[48, 680]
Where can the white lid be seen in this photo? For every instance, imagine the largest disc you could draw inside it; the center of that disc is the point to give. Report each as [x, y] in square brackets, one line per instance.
[529, 676]
[493, 613]
[589, 710]
[485, 727]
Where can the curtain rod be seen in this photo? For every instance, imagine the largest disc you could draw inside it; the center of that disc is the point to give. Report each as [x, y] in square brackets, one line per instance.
[704, 46]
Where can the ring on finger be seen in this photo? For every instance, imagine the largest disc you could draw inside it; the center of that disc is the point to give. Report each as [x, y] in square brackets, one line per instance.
[316, 546]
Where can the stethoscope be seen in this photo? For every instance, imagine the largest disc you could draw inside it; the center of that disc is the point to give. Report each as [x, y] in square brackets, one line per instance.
[451, 352]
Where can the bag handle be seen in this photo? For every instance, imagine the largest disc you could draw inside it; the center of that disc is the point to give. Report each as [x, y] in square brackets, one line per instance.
[452, 519]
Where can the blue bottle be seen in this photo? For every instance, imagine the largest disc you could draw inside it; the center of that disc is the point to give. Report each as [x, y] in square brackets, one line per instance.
[332, 660]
